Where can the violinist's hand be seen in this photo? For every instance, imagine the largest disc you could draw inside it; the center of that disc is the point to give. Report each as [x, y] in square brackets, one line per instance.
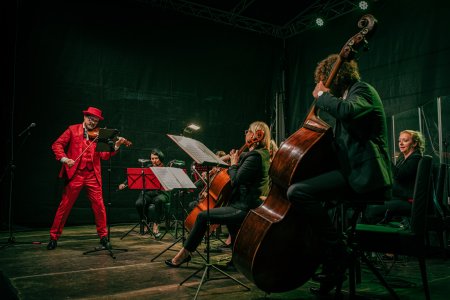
[69, 162]
[234, 157]
[119, 142]
[319, 87]
[122, 186]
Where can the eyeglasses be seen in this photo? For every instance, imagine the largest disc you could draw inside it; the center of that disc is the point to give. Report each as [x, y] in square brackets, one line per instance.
[92, 118]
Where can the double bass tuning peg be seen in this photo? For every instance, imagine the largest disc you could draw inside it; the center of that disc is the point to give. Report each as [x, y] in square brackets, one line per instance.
[366, 45]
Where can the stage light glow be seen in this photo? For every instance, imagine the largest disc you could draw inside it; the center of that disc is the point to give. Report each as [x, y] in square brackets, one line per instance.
[363, 5]
[191, 128]
[320, 22]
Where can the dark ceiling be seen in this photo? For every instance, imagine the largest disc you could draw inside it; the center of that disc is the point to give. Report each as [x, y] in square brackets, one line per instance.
[278, 18]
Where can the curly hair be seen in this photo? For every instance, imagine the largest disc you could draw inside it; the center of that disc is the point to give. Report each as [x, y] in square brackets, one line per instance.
[347, 75]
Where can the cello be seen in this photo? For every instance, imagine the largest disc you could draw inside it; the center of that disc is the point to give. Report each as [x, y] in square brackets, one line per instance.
[218, 194]
[273, 233]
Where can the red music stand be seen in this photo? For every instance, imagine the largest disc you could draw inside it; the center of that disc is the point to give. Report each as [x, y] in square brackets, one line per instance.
[155, 178]
[142, 179]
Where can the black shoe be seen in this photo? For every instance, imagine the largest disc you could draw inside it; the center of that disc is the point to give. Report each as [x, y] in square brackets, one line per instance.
[229, 267]
[105, 243]
[172, 265]
[52, 245]
[333, 272]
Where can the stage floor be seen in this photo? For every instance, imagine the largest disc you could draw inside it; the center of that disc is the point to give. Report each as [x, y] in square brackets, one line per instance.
[29, 271]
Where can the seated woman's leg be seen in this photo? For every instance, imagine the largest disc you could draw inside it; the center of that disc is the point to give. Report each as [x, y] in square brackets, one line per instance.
[374, 214]
[397, 208]
[158, 202]
[220, 215]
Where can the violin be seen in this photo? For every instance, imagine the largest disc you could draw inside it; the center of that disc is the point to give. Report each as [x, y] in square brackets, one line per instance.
[93, 136]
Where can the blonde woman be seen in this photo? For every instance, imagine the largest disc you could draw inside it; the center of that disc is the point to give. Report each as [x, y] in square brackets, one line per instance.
[249, 176]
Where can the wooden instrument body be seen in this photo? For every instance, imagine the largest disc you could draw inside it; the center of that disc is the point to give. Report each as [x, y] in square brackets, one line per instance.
[219, 193]
[279, 252]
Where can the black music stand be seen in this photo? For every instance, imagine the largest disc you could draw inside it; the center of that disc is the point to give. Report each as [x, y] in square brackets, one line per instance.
[173, 179]
[205, 157]
[142, 179]
[105, 143]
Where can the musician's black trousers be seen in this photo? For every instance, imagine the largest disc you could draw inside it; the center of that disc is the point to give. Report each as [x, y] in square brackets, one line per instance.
[309, 196]
[226, 215]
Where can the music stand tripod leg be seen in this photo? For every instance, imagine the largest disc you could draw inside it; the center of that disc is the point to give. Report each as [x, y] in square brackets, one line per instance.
[129, 231]
[208, 265]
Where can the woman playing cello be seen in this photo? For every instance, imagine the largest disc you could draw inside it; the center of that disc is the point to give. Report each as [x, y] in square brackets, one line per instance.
[249, 176]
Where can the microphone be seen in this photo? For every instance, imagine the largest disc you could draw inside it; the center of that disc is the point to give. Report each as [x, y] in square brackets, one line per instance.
[27, 129]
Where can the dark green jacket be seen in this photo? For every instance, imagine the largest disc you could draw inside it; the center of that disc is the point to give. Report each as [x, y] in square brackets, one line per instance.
[360, 137]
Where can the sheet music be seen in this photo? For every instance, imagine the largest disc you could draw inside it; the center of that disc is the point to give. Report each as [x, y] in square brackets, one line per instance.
[198, 151]
[172, 178]
[105, 141]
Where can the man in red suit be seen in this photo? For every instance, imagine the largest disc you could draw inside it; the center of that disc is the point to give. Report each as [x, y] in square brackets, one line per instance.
[81, 168]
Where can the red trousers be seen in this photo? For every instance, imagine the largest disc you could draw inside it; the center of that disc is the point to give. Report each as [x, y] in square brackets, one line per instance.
[82, 178]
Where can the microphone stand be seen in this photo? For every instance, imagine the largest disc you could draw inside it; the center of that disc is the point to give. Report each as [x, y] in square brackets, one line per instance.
[12, 169]
[447, 166]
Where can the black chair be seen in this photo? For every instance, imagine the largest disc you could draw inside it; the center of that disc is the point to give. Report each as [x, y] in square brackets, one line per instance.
[438, 219]
[402, 241]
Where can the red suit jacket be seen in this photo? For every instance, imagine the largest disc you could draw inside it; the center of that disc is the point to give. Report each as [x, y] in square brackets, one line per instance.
[72, 140]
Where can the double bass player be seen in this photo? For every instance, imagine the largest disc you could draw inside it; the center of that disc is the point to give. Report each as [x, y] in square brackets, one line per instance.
[360, 142]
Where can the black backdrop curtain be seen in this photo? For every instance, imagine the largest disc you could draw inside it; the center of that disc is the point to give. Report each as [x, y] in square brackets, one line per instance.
[152, 72]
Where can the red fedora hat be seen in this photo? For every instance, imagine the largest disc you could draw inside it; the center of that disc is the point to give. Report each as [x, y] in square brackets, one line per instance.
[92, 111]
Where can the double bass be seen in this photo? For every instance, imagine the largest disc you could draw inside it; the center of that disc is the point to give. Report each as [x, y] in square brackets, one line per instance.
[275, 249]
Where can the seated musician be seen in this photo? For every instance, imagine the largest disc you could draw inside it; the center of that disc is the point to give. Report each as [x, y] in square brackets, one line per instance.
[363, 169]
[150, 207]
[249, 176]
[412, 145]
